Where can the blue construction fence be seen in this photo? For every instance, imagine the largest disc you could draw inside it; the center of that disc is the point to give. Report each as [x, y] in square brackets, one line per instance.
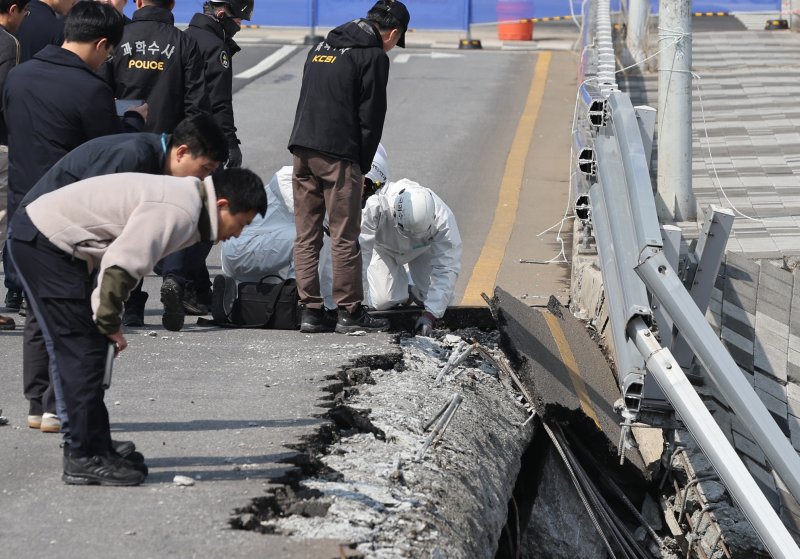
[437, 14]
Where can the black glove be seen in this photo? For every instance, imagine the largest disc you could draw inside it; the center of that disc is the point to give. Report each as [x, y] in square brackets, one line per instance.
[424, 325]
[234, 157]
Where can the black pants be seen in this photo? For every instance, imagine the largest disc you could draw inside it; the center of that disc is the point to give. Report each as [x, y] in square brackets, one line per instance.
[36, 383]
[188, 266]
[60, 288]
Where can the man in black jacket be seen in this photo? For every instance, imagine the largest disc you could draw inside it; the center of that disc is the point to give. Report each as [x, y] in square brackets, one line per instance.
[54, 103]
[44, 26]
[157, 63]
[214, 30]
[12, 13]
[195, 149]
[337, 128]
[185, 272]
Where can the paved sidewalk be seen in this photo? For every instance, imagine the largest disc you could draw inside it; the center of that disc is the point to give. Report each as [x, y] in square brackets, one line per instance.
[746, 135]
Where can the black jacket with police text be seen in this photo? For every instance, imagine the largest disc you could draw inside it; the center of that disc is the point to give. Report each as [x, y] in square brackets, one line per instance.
[157, 63]
[217, 51]
[119, 153]
[54, 103]
[342, 102]
[40, 28]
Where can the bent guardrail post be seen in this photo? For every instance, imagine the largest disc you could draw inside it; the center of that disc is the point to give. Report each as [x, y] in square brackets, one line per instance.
[732, 471]
[665, 285]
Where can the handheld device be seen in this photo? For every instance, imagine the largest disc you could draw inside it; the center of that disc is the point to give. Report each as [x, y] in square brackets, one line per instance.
[127, 104]
[112, 350]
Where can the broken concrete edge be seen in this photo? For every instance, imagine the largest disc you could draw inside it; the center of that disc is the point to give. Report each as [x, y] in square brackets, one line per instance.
[287, 491]
[403, 319]
[737, 537]
[294, 494]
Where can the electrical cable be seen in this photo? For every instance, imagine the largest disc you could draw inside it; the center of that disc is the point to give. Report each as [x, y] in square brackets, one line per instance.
[581, 494]
[608, 482]
[622, 535]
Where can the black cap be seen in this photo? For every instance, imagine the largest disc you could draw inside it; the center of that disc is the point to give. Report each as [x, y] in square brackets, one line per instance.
[399, 11]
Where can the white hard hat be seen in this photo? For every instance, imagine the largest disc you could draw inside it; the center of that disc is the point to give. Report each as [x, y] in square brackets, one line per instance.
[414, 212]
[379, 173]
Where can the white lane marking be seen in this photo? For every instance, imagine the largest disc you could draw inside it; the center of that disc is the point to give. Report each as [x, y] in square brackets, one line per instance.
[405, 57]
[268, 63]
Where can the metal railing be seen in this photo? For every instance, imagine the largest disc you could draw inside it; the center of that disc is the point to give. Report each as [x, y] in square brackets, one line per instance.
[646, 297]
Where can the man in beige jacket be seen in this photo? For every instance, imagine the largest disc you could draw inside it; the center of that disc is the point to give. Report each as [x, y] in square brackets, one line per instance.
[110, 231]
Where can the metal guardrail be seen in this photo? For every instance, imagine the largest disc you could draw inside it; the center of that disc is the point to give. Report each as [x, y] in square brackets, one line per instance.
[613, 191]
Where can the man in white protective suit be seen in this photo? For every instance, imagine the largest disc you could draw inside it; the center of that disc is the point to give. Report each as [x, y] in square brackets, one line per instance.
[265, 246]
[411, 251]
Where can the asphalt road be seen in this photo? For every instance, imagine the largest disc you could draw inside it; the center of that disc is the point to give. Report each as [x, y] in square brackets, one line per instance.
[225, 406]
[451, 126]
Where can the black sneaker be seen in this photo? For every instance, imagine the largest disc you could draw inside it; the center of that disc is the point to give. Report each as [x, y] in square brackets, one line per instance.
[133, 317]
[135, 460]
[172, 299]
[123, 448]
[23, 307]
[191, 303]
[360, 320]
[223, 295]
[110, 469]
[315, 321]
[13, 300]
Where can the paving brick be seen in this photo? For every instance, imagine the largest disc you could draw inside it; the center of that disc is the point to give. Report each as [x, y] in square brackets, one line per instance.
[740, 293]
[793, 393]
[794, 315]
[770, 360]
[782, 423]
[792, 372]
[746, 446]
[775, 406]
[762, 474]
[794, 430]
[742, 357]
[742, 329]
[770, 332]
[771, 273]
[771, 386]
[738, 313]
[778, 312]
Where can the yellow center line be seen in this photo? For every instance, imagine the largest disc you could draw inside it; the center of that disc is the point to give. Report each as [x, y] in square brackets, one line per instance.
[568, 359]
[484, 274]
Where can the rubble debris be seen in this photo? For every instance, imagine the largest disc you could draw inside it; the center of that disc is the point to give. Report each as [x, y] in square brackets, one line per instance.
[183, 481]
[373, 493]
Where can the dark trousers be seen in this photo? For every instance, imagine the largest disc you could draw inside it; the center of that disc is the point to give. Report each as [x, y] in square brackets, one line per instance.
[59, 287]
[36, 382]
[321, 183]
[188, 266]
[11, 281]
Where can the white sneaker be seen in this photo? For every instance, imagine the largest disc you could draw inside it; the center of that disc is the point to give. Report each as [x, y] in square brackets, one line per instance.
[50, 423]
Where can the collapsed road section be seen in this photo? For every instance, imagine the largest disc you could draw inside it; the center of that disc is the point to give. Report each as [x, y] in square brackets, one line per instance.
[453, 447]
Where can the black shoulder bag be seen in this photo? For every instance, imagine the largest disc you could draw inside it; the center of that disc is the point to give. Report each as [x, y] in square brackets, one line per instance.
[267, 305]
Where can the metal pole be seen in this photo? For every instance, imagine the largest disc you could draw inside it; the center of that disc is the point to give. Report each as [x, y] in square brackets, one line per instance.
[469, 42]
[675, 111]
[312, 38]
[711, 439]
[663, 282]
[638, 18]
